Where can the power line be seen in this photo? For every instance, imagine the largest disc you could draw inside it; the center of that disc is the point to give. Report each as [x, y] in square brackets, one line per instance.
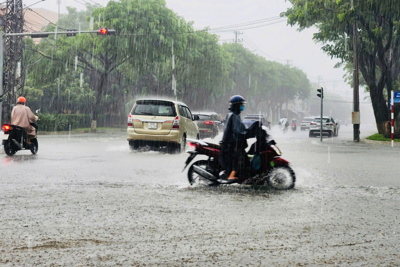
[260, 50]
[247, 26]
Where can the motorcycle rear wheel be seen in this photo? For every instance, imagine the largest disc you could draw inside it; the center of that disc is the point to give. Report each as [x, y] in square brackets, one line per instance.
[281, 178]
[8, 149]
[196, 179]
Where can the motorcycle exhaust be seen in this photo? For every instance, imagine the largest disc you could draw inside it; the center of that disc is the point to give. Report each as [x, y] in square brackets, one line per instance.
[17, 144]
[203, 173]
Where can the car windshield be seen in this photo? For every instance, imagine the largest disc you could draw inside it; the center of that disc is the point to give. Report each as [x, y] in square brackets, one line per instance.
[154, 108]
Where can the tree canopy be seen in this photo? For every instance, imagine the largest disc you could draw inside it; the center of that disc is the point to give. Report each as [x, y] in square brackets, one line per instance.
[378, 42]
[95, 75]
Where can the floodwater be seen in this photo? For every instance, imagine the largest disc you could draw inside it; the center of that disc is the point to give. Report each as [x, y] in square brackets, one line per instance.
[88, 200]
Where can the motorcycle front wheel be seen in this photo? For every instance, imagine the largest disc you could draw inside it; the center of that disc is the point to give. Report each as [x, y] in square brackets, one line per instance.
[281, 178]
[8, 149]
[196, 179]
[34, 146]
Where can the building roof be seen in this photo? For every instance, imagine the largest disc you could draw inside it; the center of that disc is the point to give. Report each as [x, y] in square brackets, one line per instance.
[37, 18]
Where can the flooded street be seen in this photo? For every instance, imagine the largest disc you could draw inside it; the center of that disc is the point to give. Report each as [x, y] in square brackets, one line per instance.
[88, 200]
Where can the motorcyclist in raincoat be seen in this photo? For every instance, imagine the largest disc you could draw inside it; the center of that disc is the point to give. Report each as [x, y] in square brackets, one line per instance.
[22, 116]
[233, 155]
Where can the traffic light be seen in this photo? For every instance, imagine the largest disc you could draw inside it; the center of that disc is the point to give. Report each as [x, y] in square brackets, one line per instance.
[71, 32]
[321, 92]
[39, 35]
[105, 31]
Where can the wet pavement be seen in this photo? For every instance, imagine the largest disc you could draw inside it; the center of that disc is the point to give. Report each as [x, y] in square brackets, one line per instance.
[87, 199]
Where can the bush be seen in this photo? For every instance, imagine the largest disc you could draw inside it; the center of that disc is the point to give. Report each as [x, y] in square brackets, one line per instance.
[61, 122]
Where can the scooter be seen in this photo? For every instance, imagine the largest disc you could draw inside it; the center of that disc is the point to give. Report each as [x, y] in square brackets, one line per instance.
[266, 166]
[15, 139]
[294, 125]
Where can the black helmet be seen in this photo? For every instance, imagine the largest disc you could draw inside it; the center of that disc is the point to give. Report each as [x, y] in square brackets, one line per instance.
[237, 99]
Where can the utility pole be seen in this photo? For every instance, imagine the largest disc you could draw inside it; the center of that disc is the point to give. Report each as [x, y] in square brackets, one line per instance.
[356, 104]
[237, 40]
[12, 55]
[321, 95]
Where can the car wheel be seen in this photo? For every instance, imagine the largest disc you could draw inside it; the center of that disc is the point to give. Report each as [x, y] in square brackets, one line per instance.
[331, 134]
[182, 145]
[215, 133]
[311, 134]
[134, 145]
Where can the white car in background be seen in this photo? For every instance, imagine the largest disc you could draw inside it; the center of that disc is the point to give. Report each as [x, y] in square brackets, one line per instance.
[329, 127]
[305, 123]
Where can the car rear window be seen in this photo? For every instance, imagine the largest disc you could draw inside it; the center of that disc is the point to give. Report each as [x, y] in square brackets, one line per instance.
[323, 120]
[308, 119]
[204, 117]
[154, 108]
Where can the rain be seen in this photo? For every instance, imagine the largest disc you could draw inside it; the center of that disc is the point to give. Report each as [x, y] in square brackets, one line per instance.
[92, 194]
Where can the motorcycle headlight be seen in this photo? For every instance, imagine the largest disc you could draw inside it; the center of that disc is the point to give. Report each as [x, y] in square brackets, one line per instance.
[277, 150]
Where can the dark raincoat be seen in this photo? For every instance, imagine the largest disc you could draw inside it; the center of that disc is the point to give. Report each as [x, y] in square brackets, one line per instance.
[233, 155]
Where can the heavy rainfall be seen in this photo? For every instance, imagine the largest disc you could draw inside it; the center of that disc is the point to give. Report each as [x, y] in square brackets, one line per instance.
[123, 89]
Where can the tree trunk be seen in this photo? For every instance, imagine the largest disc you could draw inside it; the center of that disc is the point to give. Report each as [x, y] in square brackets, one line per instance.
[96, 107]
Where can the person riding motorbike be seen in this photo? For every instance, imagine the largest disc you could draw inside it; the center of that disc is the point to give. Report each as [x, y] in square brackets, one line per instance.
[284, 123]
[233, 154]
[22, 116]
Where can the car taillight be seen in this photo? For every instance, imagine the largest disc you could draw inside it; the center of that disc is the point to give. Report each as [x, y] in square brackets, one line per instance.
[292, 124]
[6, 128]
[330, 124]
[209, 123]
[130, 123]
[175, 124]
[313, 123]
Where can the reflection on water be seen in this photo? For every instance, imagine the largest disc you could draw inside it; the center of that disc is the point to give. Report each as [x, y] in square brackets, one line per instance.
[18, 158]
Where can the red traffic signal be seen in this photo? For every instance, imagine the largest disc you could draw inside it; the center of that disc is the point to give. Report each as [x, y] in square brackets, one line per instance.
[105, 31]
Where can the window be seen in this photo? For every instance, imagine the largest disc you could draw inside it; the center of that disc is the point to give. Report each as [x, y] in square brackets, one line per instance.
[188, 113]
[204, 117]
[154, 108]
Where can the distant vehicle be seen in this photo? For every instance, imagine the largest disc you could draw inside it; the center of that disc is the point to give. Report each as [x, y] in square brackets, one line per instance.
[305, 123]
[209, 124]
[329, 127]
[249, 119]
[159, 122]
[293, 125]
[16, 138]
[284, 124]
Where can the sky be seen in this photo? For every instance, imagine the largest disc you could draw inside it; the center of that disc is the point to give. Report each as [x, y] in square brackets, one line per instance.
[274, 40]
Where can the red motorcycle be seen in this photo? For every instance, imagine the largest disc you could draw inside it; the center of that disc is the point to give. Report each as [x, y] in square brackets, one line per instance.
[266, 166]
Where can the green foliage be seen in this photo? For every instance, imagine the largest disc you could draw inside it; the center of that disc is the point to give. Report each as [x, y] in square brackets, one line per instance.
[377, 37]
[138, 61]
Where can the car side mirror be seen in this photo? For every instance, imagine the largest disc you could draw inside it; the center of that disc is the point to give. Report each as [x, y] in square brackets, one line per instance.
[196, 117]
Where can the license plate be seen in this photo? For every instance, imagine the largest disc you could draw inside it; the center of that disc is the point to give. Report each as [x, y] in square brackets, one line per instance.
[152, 125]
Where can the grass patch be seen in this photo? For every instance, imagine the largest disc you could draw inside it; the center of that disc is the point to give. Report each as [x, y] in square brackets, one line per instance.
[379, 137]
